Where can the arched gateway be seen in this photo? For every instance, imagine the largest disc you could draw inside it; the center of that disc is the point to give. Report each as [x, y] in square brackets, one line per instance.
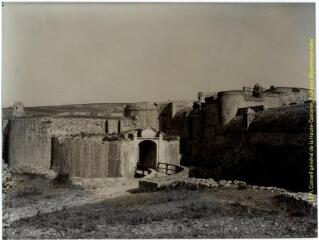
[147, 154]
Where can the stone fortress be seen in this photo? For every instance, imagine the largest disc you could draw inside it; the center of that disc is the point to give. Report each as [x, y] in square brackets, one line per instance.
[117, 140]
[88, 144]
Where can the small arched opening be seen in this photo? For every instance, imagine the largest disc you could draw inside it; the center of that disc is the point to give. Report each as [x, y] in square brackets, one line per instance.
[147, 154]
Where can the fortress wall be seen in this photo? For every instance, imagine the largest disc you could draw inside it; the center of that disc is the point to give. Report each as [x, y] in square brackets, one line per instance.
[114, 159]
[295, 95]
[275, 100]
[169, 152]
[269, 159]
[173, 152]
[29, 139]
[210, 120]
[146, 114]
[80, 157]
[195, 134]
[173, 118]
[127, 124]
[29, 145]
[90, 157]
[112, 125]
[178, 105]
[299, 97]
[5, 126]
[180, 122]
[129, 156]
[272, 152]
[286, 97]
[146, 118]
[71, 126]
[230, 101]
[166, 118]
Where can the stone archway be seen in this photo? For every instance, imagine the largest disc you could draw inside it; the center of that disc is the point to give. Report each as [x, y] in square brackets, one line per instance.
[147, 154]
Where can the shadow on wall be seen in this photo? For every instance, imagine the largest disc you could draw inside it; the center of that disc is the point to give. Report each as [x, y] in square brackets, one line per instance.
[272, 152]
[260, 160]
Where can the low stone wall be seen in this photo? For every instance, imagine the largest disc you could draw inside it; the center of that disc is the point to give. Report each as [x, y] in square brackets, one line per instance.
[153, 184]
[305, 199]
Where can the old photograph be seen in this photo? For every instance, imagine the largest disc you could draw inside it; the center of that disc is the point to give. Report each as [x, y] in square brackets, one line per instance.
[158, 120]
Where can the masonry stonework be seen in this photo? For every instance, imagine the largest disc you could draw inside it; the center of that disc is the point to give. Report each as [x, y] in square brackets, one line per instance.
[228, 134]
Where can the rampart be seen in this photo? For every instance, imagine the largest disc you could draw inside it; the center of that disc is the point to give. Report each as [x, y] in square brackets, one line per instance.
[93, 157]
[230, 101]
[241, 134]
[145, 113]
[273, 145]
[29, 145]
[83, 147]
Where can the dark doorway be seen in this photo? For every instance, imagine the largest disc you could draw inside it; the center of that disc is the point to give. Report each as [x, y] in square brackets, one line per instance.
[147, 154]
[5, 148]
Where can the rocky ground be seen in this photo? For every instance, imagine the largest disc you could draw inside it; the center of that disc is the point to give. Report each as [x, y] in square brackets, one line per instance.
[195, 208]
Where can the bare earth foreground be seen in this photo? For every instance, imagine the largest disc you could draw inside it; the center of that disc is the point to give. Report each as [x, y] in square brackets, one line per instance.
[113, 209]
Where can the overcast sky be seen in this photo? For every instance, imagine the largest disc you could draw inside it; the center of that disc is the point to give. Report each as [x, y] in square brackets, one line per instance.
[124, 52]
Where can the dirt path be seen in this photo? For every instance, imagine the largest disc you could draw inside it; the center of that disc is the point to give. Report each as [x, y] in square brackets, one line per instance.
[26, 202]
[210, 213]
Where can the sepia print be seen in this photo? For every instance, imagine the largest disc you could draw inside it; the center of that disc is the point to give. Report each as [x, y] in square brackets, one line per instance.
[158, 120]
